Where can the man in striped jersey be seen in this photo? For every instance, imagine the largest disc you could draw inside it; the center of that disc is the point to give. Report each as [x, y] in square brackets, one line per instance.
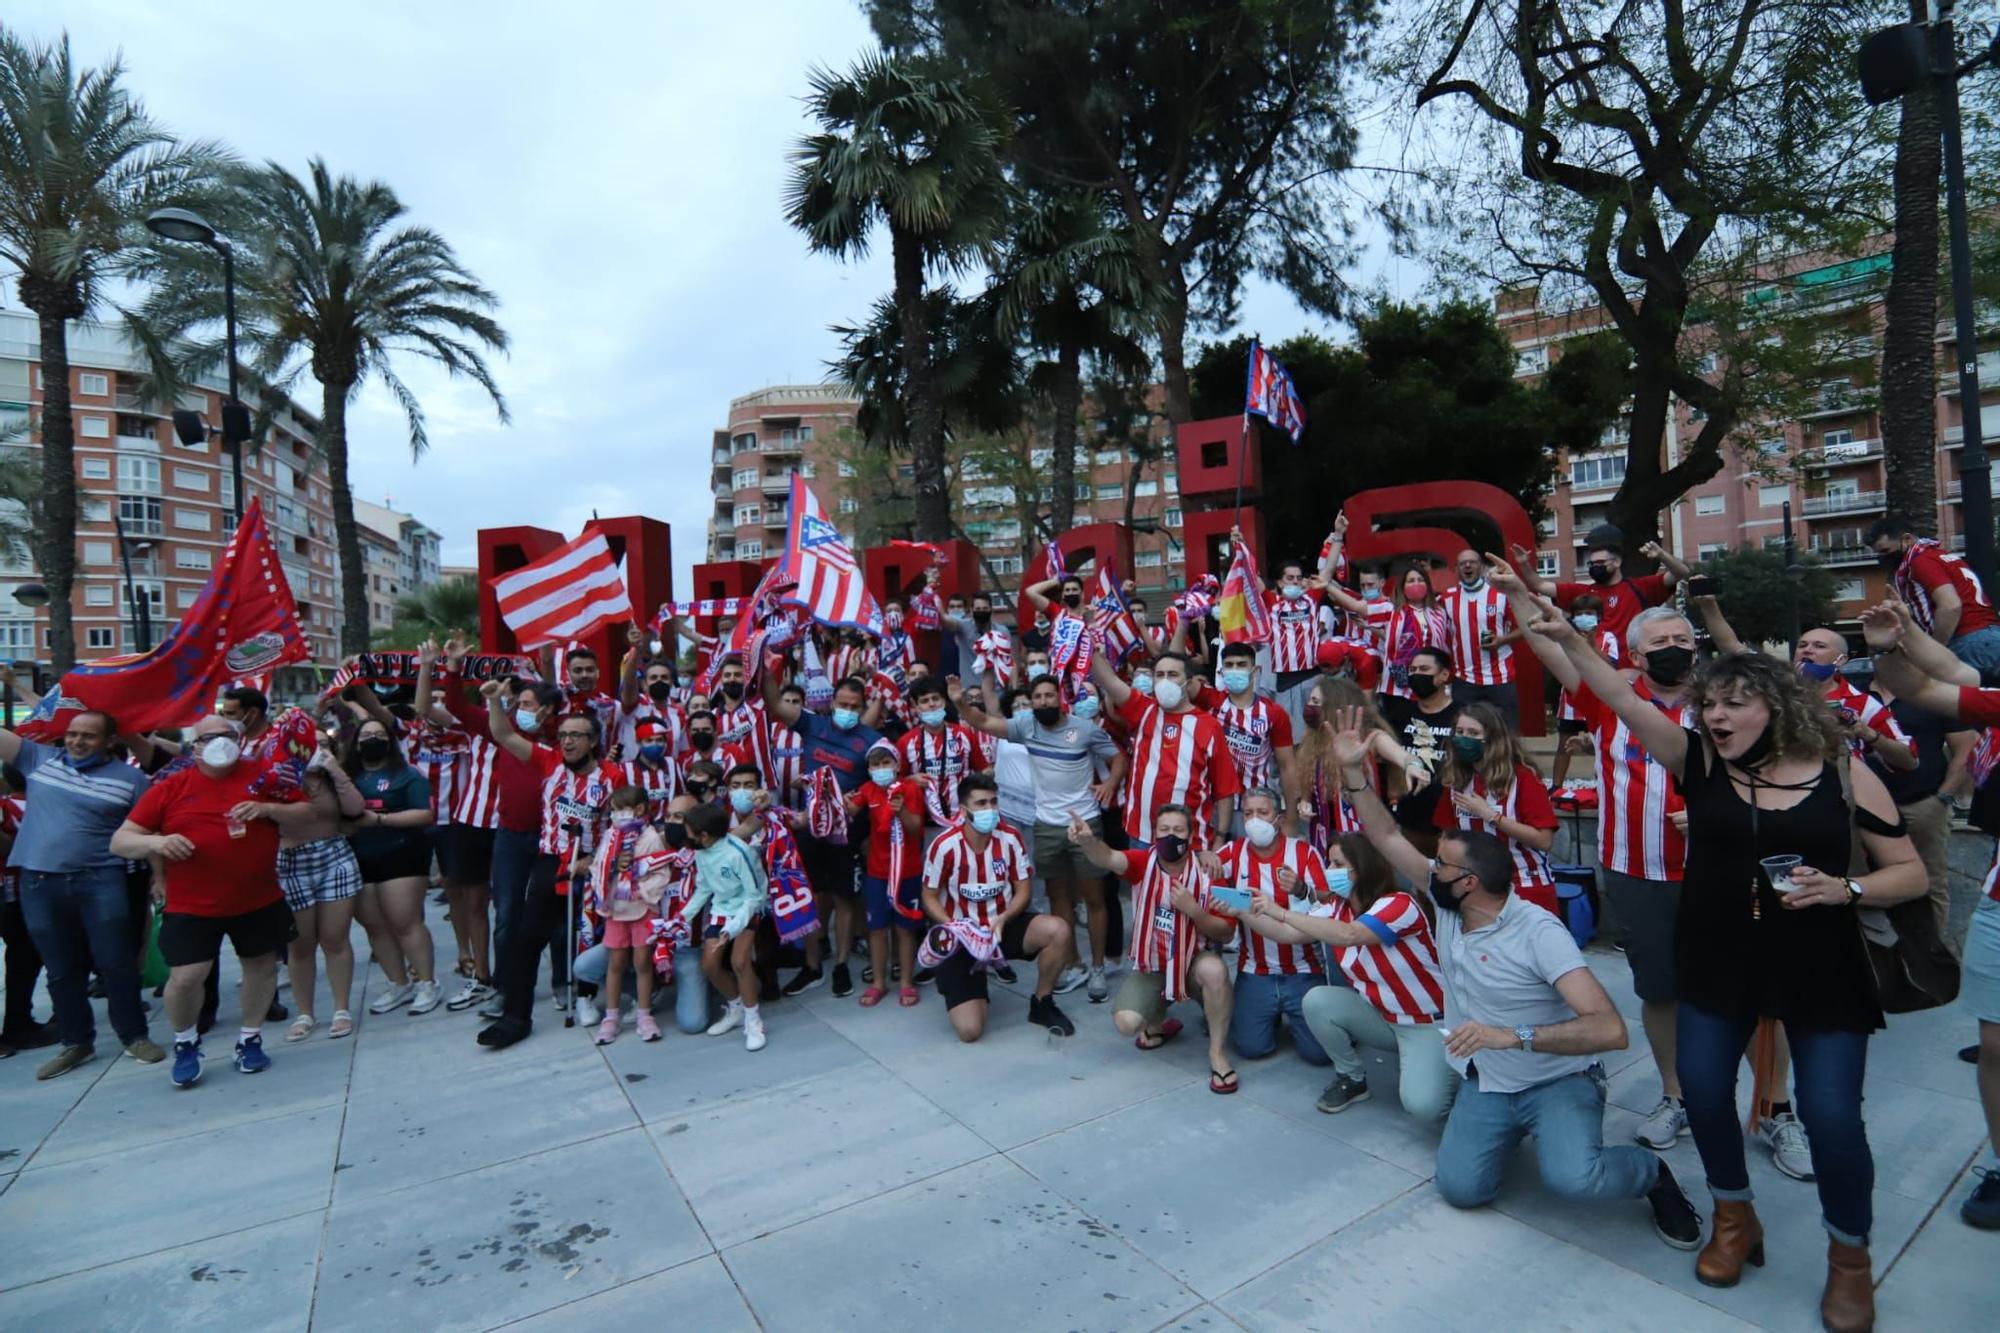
[465, 844]
[1272, 978]
[1178, 753]
[1258, 730]
[1480, 632]
[1944, 596]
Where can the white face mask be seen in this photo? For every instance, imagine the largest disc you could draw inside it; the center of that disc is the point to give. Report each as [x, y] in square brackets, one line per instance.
[220, 751]
[1261, 832]
[1168, 694]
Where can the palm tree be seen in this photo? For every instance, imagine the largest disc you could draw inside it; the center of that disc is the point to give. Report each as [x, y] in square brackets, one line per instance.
[443, 609]
[906, 147]
[80, 163]
[327, 282]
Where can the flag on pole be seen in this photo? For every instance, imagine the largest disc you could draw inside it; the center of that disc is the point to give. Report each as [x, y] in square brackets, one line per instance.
[1111, 616]
[565, 595]
[1241, 609]
[243, 623]
[829, 584]
[1271, 394]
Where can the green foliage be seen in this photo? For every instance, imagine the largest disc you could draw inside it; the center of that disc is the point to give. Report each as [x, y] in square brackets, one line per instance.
[447, 608]
[1759, 598]
[976, 370]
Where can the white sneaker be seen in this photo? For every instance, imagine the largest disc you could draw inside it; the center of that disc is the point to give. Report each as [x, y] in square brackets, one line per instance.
[427, 997]
[1791, 1152]
[393, 999]
[1667, 1123]
[753, 1030]
[1100, 989]
[732, 1018]
[471, 993]
[495, 1006]
[1072, 977]
[560, 997]
[588, 1015]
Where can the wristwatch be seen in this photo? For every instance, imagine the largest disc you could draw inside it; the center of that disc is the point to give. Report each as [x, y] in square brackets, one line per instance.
[1526, 1035]
[1853, 893]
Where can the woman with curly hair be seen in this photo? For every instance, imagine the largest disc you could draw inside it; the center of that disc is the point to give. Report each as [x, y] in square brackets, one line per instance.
[1764, 778]
[1391, 768]
[1493, 788]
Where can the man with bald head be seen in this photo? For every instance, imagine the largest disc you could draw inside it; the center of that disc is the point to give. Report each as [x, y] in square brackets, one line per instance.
[216, 824]
[1480, 633]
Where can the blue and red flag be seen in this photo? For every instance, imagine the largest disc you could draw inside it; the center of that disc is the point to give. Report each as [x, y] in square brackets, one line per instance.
[1272, 395]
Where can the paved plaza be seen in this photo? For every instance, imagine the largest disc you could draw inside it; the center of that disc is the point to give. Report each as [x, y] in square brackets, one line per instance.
[867, 1171]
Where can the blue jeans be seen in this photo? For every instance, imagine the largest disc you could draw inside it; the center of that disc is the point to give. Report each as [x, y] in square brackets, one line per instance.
[1260, 1002]
[1826, 1079]
[1979, 650]
[80, 919]
[1567, 1119]
[690, 986]
[513, 862]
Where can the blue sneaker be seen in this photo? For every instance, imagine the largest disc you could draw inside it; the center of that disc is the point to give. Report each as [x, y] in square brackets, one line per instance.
[187, 1063]
[250, 1057]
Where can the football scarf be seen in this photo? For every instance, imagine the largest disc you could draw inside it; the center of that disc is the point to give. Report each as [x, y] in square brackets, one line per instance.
[791, 896]
[1163, 940]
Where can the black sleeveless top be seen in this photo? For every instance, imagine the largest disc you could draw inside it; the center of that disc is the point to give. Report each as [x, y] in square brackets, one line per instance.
[1739, 952]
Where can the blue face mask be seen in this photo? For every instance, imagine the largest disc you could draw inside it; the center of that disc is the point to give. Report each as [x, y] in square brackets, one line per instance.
[1586, 622]
[654, 754]
[1235, 680]
[1036, 670]
[1371, 594]
[741, 799]
[526, 720]
[1143, 682]
[1085, 707]
[1820, 671]
[1338, 882]
[931, 717]
[882, 777]
[846, 719]
[985, 820]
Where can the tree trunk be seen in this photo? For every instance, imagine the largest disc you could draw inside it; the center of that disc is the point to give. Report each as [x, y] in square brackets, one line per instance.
[926, 408]
[333, 396]
[1173, 351]
[55, 542]
[1066, 402]
[1909, 354]
[1635, 509]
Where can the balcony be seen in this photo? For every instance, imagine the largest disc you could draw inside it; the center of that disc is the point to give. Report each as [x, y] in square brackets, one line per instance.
[1989, 375]
[779, 517]
[1832, 404]
[1840, 455]
[779, 446]
[777, 483]
[1843, 553]
[1847, 502]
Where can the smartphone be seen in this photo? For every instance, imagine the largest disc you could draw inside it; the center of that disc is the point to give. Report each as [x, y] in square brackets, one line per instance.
[1235, 900]
[1704, 585]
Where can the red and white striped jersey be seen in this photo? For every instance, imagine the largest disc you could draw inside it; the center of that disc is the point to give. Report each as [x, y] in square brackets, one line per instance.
[1407, 629]
[660, 784]
[737, 724]
[646, 710]
[849, 659]
[939, 761]
[1928, 567]
[1295, 629]
[1635, 793]
[1472, 614]
[476, 791]
[976, 883]
[781, 761]
[440, 754]
[1255, 733]
[1244, 868]
[596, 704]
[1612, 649]
[1525, 802]
[1372, 626]
[1863, 706]
[987, 749]
[1177, 759]
[1399, 976]
[568, 796]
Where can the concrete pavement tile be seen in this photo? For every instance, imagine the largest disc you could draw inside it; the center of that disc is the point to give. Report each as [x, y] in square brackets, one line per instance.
[30, 1111]
[510, 1108]
[260, 1278]
[1202, 1317]
[937, 1249]
[1921, 1141]
[875, 1135]
[683, 1073]
[1420, 1263]
[135, 1201]
[1289, 1086]
[1922, 1050]
[699, 1295]
[1944, 1279]
[504, 1242]
[1205, 1185]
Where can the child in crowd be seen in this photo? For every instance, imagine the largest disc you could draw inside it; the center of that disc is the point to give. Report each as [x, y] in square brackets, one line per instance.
[892, 878]
[628, 878]
[730, 882]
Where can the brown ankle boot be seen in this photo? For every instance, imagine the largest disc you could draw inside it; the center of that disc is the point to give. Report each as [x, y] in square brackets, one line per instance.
[1736, 1236]
[1848, 1304]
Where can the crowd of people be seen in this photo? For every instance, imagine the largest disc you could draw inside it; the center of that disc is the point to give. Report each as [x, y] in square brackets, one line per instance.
[1334, 839]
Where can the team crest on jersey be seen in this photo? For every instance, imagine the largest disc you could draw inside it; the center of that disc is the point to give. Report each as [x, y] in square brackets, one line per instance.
[1172, 730]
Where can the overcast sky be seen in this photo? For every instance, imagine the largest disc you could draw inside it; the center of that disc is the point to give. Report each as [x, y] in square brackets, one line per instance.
[613, 172]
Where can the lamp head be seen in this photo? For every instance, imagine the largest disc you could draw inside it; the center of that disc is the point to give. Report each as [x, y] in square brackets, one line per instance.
[178, 224]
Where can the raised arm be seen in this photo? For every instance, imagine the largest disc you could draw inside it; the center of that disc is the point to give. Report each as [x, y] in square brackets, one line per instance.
[1675, 568]
[1892, 641]
[1349, 750]
[1666, 739]
[1038, 593]
[1514, 585]
[502, 726]
[1719, 628]
[1114, 690]
[628, 670]
[785, 714]
[974, 715]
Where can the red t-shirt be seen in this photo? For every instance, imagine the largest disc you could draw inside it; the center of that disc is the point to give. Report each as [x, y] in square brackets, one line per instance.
[875, 802]
[1622, 600]
[226, 876]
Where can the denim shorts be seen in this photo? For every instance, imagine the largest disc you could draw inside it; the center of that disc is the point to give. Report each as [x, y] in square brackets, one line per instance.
[1979, 988]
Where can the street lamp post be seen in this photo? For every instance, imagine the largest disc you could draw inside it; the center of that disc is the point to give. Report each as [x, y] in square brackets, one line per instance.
[34, 596]
[142, 608]
[178, 224]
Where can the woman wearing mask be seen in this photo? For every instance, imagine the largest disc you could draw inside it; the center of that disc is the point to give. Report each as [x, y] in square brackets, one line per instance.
[1490, 785]
[1415, 622]
[390, 842]
[1381, 937]
[1766, 930]
[1392, 771]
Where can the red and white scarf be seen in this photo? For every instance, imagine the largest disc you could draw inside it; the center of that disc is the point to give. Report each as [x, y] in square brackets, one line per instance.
[826, 809]
[943, 940]
[1163, 940]
[608, 884]
[899, 869]
[1072, 643]
[994, 651]
[942, 756]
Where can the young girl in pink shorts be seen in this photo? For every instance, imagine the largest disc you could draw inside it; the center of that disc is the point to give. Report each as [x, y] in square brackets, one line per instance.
[628, 879]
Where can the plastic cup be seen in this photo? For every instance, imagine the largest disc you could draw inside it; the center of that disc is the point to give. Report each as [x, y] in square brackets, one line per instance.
[1778, 869]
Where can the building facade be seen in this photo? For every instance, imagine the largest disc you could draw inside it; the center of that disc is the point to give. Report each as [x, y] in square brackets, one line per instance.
[402, 556]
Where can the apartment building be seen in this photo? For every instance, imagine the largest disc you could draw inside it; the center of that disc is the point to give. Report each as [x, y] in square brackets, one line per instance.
[401, 554]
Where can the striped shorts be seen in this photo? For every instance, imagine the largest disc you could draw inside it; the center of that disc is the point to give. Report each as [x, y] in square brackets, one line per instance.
[318, 872]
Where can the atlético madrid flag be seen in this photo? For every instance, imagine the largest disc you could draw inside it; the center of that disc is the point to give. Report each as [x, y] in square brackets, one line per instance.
[242, 625]
[829, 588]
[565, 595]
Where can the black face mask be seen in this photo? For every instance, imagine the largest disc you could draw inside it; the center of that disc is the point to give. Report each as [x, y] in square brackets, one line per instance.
[1601, 574]
[660, 691]
[373, 750]
[1170, 846]
[701, 740]
[982, 618]
[1072, 600]
[1423, 686]
[1441, 892]
[676, 835]
[1670, 665]
[1048, 717]
[732, 690]
[1755, 753]
[1889, 560]
[698, 790]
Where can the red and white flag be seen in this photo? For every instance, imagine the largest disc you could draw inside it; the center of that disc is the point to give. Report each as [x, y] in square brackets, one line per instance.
[1111, 616]
[829, 584]
[565, 595]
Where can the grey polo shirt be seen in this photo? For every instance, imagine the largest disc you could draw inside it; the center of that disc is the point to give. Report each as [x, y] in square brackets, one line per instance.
[1063, 759]
[71, 813]
[1505, 975]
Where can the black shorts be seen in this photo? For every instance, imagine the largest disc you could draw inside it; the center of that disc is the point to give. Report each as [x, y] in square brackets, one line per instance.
[1571, 726]
[186, 939]
[958, 981]
[831, 867]
[466, 853]
[410, 858]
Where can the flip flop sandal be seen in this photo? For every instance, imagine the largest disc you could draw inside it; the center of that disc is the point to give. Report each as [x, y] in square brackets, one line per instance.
[1168, 1031]
[908, 997]
[1222, 1084]
[343, 1024]
[872, 997]
[301, 1028]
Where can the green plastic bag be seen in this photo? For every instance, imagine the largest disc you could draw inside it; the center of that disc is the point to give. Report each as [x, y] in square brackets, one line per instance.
[153, 971]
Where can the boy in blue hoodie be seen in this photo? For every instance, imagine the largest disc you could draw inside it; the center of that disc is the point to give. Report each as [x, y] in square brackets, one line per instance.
[730, 882]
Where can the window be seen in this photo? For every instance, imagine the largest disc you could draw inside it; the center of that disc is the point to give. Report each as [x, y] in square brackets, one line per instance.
[744, 443]
[138, 430]
[97, 511]
[1837, 437]
[1149, 560]
[845, 468]
[153, 593]
[753, 549]
[141, 516]
[1083, 490]
[807, 470]
[95, 385]
[187, 557]
[1110, 492]
[1145, 488]
[97, 469]
[1710, 550]
[1107, 457]
[100, 636]
[805, 434]
[1849, 590]
[1770, 497]
[1171, 519]
[97, 594]
[138, 476]
[1596, 474]
[94, 428]
[1006, 564]
[184, 597]
[1545, 564]
[745, 479]
[1707, 505]
[850, 505]
[749, 514]
[190, 479]
[1531, 360]
[97, 553]
[191, 520]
